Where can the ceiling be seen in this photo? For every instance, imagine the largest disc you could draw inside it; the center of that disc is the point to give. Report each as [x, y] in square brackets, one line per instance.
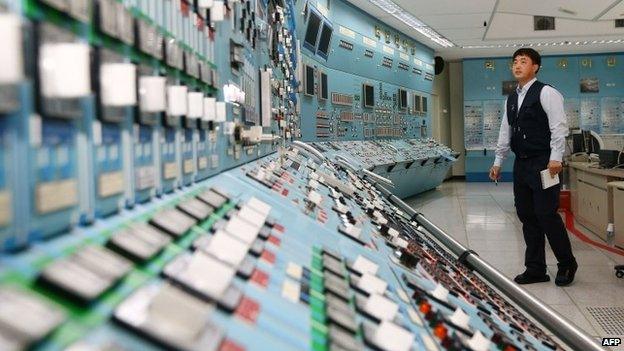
[485, 28]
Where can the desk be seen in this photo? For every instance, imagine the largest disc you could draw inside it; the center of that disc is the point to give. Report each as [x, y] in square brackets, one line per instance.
[616, 211]
[589, 195]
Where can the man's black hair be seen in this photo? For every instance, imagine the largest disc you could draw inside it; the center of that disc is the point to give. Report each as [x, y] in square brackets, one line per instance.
[530, 53]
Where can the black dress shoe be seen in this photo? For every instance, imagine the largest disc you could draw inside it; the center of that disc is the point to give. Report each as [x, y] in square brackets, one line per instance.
[528, 278]
[565, 275]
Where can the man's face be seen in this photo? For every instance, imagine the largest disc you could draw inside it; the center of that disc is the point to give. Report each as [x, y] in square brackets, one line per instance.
[523, 67]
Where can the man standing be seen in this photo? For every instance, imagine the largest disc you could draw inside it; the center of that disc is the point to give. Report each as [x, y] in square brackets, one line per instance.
[534, 127]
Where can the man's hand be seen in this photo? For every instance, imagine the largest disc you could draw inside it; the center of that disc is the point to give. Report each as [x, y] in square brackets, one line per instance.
[495, 172]
[555, 167]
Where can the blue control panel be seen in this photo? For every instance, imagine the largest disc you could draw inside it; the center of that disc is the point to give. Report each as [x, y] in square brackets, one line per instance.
[360, 80]
[286, 252]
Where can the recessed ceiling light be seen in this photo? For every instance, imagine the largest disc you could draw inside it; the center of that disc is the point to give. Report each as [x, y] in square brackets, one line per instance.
[397, 12]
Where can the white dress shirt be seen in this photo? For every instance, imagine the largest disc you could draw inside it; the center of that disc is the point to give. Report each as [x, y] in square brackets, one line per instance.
[552, 103]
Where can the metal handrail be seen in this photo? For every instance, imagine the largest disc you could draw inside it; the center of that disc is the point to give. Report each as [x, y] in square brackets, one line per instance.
[561, 327]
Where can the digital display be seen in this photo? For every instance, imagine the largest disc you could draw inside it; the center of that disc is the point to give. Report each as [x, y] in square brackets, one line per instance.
[424, 104]
[402, 99]
[314, 22]
[323, 87]
[309, 80]
[326, 35]
[369, 95]
[417, 103]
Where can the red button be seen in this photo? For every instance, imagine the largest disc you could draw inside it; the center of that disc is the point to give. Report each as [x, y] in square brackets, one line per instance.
[285, 192]
[229, 345]
[278, 227]
[268, 256]
[248, 309]
[274, 240]
[260, 277]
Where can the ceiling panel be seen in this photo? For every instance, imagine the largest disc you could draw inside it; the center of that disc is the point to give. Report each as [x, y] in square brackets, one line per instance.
[584, 9]
[523, 28]
[440, 7]
[456, 21]
[616, 12]
[462, 23]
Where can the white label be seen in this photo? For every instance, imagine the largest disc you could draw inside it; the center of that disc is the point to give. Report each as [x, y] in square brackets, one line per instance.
[294, 270]
[227, 248]
[118, 84]
[372, 284]
[390, 336]
[364, 265]
[170, 170]
[177, 103]
[110, 184]
[56, 195]
[259, 205]
[370, 42]
[388, 50]
[291, 291]
[404, 56]
[64, 70]
[214, 161]
[381, 307]
[202, 163]
[6, 210]
[97, 133]
[188, 166]
[11, 60]
[418, 62]
[347, 32]
[242, 230]
[145, 177]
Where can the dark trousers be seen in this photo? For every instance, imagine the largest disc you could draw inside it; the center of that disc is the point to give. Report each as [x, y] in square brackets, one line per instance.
[537, 210]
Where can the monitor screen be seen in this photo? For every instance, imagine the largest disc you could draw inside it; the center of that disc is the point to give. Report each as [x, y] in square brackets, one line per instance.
[323, 86]
[402, 99]
[369, 95]
[417, 104]
[314, 22]
[326, 35]
[424, 104]
[309, 80]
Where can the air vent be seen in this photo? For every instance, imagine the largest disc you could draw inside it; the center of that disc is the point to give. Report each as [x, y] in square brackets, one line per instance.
[619, 23]
[543, 23]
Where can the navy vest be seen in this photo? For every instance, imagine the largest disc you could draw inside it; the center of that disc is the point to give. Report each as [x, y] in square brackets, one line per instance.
[530, 132]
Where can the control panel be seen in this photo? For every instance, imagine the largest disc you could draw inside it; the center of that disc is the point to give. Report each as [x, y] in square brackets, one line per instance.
[287, 252]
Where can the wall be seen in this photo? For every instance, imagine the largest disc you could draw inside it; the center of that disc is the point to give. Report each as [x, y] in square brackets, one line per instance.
[456, 92]
[592, 85]
[356, 56]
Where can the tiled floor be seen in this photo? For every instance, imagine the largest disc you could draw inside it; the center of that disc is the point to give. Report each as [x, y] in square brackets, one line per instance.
[482, 217]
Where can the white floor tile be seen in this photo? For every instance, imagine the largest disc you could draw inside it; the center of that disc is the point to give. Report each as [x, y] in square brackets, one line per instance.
[573, 314]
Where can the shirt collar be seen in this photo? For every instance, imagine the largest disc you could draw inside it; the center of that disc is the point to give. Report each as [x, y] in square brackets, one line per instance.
[526, 87]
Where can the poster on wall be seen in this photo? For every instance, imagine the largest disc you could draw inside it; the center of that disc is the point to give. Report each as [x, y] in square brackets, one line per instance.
[473, 124]
[590, 85]
[590, 114]
[572, 110]
[492, 117]
[610, 112]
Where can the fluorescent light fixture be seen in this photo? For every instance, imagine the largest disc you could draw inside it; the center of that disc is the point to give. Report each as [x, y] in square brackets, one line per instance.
[397, 12]
[560, 43]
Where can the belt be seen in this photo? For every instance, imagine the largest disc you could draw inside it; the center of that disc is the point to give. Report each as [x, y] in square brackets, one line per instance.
[528, 156]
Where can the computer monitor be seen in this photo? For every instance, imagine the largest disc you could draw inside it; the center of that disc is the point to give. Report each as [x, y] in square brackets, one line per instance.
[586, 141]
